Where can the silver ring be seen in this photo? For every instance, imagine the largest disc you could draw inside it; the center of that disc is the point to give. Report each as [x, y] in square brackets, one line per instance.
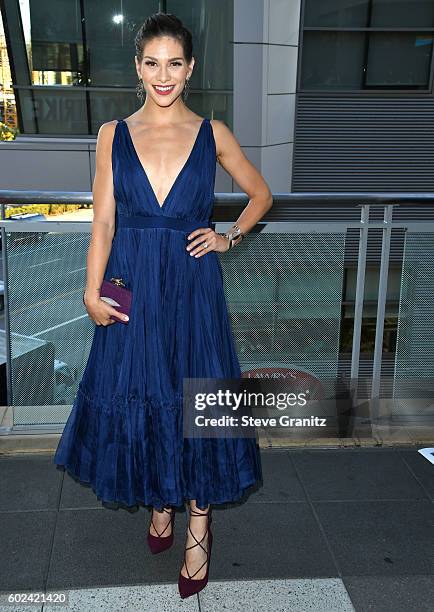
[205, 246]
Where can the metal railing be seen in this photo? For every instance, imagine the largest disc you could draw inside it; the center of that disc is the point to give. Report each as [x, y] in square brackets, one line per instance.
[284, 218]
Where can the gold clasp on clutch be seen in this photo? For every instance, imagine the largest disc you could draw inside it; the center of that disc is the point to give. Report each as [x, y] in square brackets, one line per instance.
[117, 281]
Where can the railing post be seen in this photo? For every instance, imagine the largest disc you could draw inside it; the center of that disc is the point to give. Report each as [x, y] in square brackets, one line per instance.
[381, 310]
[8, 339]
[360, 293]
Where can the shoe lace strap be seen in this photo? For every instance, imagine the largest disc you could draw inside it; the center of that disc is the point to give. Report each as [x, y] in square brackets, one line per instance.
[153, 525]
[194, 512]
[198, 542]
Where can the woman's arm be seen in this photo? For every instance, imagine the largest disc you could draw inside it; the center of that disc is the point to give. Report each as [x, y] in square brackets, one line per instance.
[103, 226]
[232, 158]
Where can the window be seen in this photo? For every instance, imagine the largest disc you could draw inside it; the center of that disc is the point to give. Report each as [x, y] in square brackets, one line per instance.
[376, 45]
[73, 60]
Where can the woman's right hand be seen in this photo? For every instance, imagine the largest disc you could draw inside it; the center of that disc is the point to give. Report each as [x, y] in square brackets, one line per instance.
[100, 311]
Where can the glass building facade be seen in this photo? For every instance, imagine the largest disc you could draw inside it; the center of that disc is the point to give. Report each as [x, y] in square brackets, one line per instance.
[367, 45]
[73, 60]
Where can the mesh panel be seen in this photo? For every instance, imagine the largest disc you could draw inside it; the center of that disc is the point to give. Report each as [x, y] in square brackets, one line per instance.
[51, 333]
[414, 364]
[284, 293]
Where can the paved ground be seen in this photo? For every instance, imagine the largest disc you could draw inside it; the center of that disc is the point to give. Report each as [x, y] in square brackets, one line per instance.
[330, 530]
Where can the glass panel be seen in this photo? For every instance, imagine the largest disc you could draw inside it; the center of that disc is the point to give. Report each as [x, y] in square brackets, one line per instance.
[111, 26]
[54, 42]
[54, 35]
[414, 364]
[384, 13]
[51, 332]
[399, 59]
[285, 305]
[402, 14]
[212, 25]
[108, 105]
[332, 60]
[54, 112]
[335, 60]
[371, 284]
[284, 297]
[77, 44]
[336, 13]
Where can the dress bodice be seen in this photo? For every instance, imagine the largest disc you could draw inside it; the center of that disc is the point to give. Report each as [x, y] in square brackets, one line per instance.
[191, 196]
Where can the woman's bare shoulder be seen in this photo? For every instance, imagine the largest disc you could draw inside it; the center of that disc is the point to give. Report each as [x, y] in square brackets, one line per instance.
[105, 136]
[223, 136]
[107, 129]
[218, 125]
[104, 141]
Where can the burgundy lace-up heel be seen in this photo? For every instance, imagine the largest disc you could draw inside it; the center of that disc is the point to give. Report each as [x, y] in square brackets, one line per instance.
[190, 586]
[159, 542]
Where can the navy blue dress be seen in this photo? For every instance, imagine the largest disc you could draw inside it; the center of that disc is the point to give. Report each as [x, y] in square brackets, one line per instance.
[124, 435]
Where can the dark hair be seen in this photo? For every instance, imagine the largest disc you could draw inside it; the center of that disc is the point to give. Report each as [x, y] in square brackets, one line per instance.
[164, 24]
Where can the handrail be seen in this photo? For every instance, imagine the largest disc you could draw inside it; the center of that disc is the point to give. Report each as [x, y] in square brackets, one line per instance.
[323, 199]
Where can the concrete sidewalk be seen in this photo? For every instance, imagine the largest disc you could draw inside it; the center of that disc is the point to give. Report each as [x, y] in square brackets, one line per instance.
[329, 530]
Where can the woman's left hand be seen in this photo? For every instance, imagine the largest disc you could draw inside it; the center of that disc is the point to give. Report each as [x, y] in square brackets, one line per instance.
[204, 240]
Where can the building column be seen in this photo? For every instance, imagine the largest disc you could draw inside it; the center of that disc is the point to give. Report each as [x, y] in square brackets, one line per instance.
[266, 34]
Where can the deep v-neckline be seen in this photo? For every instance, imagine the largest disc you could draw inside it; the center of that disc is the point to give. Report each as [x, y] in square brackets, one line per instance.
[180, 173]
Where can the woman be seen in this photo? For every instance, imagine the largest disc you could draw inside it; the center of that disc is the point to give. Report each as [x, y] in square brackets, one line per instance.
[153, 196]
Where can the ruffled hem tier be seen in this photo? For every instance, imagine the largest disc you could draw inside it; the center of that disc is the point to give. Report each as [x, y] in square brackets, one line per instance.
[131, 452]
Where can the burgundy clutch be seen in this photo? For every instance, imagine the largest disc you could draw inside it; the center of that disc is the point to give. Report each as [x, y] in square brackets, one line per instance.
[117, 295]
